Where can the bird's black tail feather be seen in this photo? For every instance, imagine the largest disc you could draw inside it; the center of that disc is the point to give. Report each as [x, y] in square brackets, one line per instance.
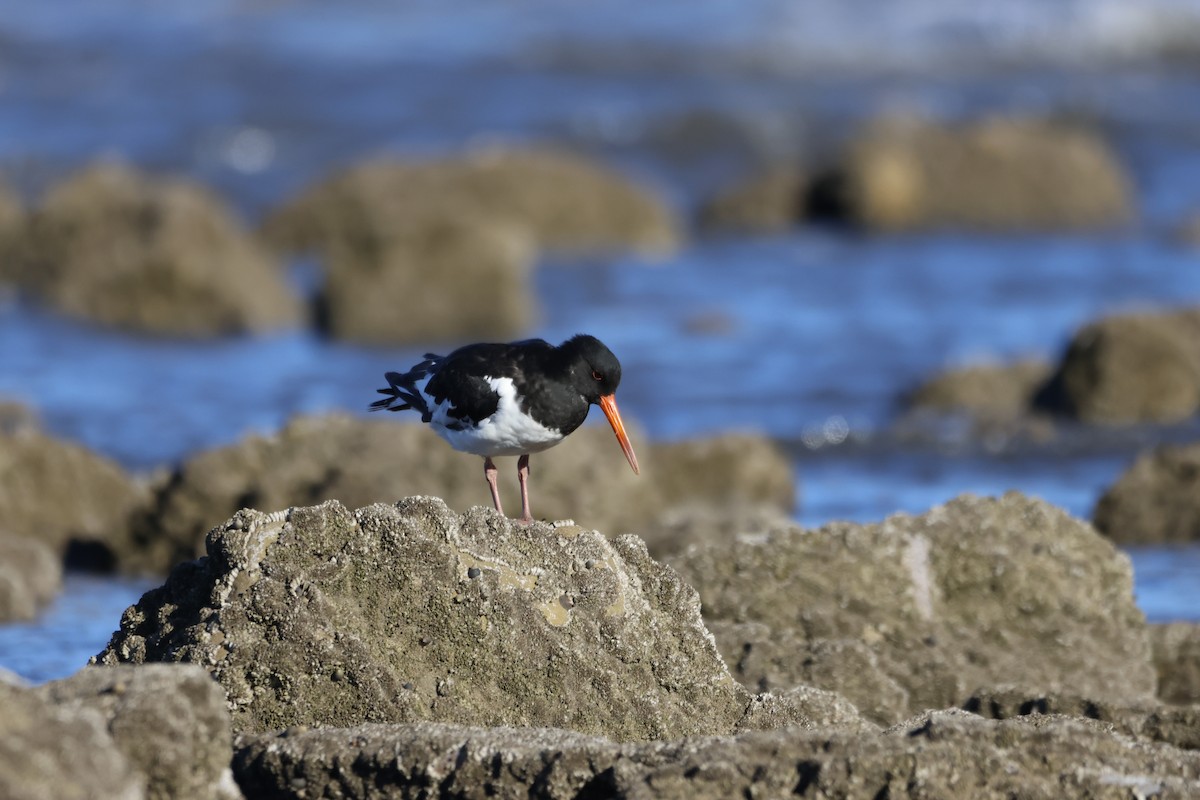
[402, 393]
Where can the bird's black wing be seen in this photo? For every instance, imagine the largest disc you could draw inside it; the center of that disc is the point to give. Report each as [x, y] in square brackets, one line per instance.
[463, 375]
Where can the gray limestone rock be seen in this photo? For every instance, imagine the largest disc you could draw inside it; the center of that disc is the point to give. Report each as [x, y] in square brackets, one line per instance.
[30, 576]
[562, 201]
[1176, 647]
[62, 494]
[362, 461]
[913, 174]
[169, 720]
[122, 248]
[939, 754]
[1156, 500]
[1129, 368]
[917, 612]
[51, 753]
[407, 613]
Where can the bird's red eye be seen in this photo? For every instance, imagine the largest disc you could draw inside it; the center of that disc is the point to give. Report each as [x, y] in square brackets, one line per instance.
[597, 376]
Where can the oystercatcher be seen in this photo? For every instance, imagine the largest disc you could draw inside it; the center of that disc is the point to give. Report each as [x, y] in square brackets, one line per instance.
[511, 399]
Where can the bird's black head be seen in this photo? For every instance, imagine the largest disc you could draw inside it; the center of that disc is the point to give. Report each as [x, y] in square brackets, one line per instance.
[594, 370]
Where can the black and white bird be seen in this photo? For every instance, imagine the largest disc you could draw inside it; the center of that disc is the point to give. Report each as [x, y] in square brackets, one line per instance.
[511, 399]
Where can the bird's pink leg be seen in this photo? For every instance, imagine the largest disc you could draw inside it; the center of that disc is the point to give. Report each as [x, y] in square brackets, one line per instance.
[523, 477]
[490, 472]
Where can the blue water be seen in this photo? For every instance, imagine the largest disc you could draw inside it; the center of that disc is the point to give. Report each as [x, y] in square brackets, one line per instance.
[809, 337]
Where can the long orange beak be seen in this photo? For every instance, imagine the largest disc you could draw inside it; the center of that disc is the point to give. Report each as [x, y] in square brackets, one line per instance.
[608, 404]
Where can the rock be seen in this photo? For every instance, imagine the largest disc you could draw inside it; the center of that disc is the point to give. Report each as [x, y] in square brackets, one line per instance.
[698, 523]
[66, 497]
[409, 613]
[562, 202]
[730, 469]
[771, 202]
[12, 217]
[1156, 500]
[988, 392]
[439, 280]
[423, 760]
[169, 720]
[768, 660]
[998, 174]
[16, 417]
[154, 255]
[49, 753]
[1188, 231]
[939, 754]
[1129, 368]
[1149, 720]
[361, 461]
[1176, 648]
[30, 577]
[973, 593]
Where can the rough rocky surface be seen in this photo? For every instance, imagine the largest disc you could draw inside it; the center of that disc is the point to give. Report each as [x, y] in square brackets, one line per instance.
[973, 593]
[999, 174]
[435, 280]
[939, 754]
[699, 523]
[766, 659]
[407, 613]
[1147, 720]
[170, 721]
[66, 497]
[561, 201]
[1142, 367]
[160, 255]
[1156, 500]
[1176, 648]
[771, 202]
[363, 461]
[50, 753]
[30, 576]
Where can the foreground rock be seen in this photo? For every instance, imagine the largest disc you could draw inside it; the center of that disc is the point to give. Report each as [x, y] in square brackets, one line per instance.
[409, 613]
[562, 202]
[1000, 174]
[51, 753]
[940, 754]
[66, 497]
[30, 576]
[363, 461]
[917, 612]
[1176, 649]
[157, 255]
[1129, 368]
[1148, 720]
[169, 721]
[1156, 500]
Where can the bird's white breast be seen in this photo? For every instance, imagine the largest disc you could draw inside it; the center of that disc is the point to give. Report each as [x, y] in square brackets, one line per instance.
[507, 432]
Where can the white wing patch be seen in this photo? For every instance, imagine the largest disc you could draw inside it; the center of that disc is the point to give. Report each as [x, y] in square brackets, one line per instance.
[507, 432]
